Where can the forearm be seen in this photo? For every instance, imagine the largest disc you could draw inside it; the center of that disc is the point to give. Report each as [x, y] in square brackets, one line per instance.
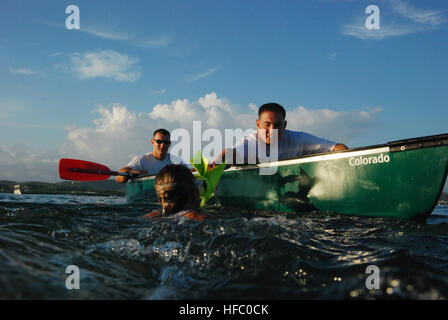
[123, 179]
[227, 155]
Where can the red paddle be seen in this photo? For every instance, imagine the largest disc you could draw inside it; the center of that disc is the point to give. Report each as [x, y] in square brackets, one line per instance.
[80, 170]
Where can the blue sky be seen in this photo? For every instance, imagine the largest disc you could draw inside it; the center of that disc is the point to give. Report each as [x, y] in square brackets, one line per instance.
[142, 64]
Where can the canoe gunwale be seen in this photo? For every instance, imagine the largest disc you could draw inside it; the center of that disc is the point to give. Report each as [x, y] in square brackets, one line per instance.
[418, 143]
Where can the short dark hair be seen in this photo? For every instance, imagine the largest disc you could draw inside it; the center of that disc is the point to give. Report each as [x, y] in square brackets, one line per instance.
[162, 131]
[272, 106]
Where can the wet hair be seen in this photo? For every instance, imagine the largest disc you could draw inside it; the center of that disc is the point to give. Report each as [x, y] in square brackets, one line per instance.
[162, 131]
[174, 185]
[272, 106]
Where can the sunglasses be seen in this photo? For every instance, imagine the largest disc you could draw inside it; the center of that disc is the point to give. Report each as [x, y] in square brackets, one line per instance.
[167, 142]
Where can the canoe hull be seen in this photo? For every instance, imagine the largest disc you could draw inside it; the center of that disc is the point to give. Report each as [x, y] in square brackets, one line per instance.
[401, 179]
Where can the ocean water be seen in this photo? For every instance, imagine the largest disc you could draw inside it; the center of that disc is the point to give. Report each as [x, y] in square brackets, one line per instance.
[242, 255]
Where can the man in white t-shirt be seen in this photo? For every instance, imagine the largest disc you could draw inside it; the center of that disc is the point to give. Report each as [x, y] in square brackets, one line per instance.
[259, 146]
[152, 163]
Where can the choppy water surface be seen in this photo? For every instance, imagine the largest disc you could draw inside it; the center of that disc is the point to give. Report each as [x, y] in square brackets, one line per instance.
[240, 256]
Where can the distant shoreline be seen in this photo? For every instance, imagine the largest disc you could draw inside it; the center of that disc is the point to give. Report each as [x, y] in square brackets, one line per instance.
[100, 194]
[94, 188]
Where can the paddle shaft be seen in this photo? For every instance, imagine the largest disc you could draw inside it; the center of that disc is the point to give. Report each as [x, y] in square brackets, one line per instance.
[107, 172]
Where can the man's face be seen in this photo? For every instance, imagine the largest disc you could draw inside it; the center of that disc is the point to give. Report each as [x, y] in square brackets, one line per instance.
[160, 143]
[267, 122]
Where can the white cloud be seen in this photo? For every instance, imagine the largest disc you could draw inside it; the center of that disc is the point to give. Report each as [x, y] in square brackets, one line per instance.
[22, 125]
[118, 135]
[403, 19]
[430, 17]
[211, 110]
[22, 71]
[332, 56]
[157, 42]
[18, 163]
[11, 111]
[105, 64]
[106, 34]
[161, 41]
[361, 32]
[205, 73]
[341, 126]
[13, 106]
[148, 42]
[162, 91]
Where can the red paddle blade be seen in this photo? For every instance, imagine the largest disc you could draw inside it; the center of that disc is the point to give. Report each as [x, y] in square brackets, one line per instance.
[68, 167]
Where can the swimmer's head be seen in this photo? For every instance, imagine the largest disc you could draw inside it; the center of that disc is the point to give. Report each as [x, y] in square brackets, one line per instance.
[176, 189]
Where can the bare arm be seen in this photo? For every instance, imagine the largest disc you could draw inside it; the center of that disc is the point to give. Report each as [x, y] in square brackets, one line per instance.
[340, 147]
[123, 179]
[226, 153]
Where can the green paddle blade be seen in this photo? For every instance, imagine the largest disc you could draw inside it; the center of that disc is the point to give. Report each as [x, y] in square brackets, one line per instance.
[212, 176]
[200, 164]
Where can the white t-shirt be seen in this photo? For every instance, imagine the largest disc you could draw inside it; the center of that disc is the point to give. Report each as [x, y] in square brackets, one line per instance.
[292, 144]
[153, 165]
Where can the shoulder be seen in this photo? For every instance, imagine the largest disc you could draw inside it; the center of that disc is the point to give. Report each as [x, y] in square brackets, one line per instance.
[174, 159]
[136, 158]
[140, 158]
[136, 163]
[152, 214]
[147, 156]
[148, 159]
[246, 139]
[194, 215]
[295, 135]
[290, 136]
[291, 133]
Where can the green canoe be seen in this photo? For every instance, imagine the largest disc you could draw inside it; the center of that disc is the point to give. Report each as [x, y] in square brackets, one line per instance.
[401, 179]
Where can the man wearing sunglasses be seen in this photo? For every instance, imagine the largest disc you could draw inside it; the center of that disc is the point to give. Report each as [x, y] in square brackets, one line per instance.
[152, 163]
